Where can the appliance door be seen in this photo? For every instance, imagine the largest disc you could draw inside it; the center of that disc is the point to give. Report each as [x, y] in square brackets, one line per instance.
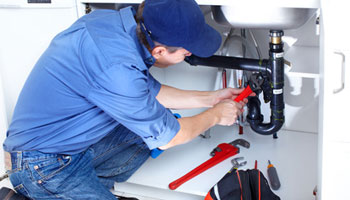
[26, 31]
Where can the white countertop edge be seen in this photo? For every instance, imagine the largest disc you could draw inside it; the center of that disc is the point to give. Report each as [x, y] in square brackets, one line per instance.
[274, 3]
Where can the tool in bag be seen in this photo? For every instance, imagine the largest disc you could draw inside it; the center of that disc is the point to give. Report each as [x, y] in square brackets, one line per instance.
[248, 184]
[237, 184]
[220, 153]
[215, 190]
[237, 164]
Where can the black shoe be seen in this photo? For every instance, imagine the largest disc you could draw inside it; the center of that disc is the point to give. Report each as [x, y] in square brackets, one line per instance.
[126, 198]
[7, 193]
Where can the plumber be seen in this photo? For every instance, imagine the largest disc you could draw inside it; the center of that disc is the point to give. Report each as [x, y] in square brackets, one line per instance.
[90, 112]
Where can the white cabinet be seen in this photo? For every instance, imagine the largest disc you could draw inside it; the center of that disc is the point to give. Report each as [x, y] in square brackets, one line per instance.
[26, 31]
[334, 151]
[294, 153]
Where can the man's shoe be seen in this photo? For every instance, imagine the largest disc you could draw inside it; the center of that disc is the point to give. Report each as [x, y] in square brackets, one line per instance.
[9, 194]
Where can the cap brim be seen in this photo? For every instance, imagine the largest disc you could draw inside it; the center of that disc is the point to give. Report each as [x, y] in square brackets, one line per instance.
[206, 44]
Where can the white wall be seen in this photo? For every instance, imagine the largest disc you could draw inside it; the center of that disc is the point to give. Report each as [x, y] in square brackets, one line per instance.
[3, 128]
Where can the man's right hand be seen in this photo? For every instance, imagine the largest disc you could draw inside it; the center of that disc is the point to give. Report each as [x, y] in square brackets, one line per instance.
[227, 111]
[223, 113]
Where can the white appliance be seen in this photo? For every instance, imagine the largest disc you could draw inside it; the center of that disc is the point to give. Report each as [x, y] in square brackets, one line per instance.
[27, 27]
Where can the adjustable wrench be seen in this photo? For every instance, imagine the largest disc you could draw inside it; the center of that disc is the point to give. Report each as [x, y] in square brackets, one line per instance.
[254, 85]
[220, 153]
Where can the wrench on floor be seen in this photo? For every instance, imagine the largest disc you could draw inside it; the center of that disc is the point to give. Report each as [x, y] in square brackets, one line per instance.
[220, 153]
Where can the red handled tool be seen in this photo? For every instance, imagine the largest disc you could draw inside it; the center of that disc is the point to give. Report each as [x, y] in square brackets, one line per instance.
[246, 92]
[239, 98]
[240, 84]
[254, 85]
[220, 153]
[224, 79]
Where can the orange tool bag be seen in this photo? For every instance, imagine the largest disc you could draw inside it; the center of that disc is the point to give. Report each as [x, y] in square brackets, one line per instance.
[242, 184]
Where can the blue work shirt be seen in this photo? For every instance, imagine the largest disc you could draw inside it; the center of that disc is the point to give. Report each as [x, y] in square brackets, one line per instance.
[93, 76]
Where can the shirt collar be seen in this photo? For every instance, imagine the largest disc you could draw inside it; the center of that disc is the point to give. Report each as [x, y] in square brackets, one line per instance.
[129, 23]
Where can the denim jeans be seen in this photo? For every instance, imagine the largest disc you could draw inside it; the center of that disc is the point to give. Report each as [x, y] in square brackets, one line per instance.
[87, 175]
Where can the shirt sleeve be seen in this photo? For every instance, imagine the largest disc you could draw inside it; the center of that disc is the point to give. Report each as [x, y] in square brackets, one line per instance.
[127, 94]
[153, 85]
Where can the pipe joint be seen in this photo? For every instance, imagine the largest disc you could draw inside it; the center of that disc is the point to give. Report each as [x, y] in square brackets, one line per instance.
[276, 82]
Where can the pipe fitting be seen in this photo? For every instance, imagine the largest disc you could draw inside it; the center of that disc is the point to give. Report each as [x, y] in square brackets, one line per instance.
[276, 65]
[276, 36]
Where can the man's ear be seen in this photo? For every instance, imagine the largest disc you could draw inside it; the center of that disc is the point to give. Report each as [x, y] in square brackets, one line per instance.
[158, 51]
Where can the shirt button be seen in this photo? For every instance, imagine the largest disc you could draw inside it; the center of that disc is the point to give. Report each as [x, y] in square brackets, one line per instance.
[36, 167]
[40, 181]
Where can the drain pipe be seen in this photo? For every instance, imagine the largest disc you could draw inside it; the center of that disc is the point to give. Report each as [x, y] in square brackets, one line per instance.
[276, 65]
[272, 69]
[231, 63]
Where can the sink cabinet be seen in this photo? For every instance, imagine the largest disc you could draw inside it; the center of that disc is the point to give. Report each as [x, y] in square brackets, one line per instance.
[314, 145]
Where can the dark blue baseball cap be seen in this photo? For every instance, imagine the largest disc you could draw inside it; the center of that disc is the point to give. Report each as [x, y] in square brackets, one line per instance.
[180, 23]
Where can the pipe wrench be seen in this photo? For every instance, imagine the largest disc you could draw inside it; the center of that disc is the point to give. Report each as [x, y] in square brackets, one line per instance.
[219, 154]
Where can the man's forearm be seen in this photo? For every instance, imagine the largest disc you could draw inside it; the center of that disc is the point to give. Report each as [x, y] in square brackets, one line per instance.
[175, 98]
[223, 110]
[191, 127]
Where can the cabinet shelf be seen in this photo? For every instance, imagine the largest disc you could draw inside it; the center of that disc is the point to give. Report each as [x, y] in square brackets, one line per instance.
[294, 154]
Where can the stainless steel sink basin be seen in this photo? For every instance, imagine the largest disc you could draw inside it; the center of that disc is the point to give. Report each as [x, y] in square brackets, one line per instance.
[277, 18]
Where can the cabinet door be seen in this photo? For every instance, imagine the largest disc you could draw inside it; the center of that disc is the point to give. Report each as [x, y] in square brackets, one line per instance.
[334, 120]
[25, 32]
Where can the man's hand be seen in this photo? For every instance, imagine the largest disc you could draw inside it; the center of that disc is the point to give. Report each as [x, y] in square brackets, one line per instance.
[228, 93]
[227, 111]
[224, 111]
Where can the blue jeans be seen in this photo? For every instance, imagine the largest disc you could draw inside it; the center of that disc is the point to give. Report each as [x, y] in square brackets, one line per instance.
[87, 175]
